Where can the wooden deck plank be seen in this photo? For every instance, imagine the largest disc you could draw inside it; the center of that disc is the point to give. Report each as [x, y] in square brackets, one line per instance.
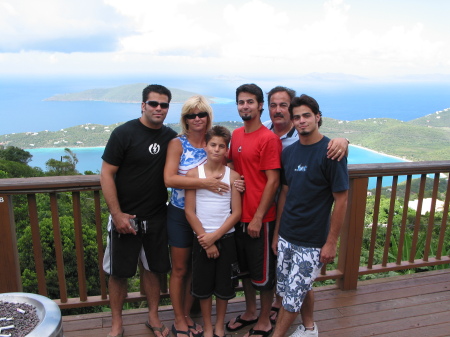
[410, 306]
[437, 330]
[385, 316]
[384, 284]
[381, 296]
[394, 304]
[396, 326]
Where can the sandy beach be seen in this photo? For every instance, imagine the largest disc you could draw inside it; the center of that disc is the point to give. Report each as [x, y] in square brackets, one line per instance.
[381, 153]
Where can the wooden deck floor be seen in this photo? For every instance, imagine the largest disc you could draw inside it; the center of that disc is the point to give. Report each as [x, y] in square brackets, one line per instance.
[412, 305]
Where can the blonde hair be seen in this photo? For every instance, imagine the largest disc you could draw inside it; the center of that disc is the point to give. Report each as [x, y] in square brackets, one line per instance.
[193, 102]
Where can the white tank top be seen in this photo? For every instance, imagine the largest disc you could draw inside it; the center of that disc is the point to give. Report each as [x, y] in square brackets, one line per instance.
[213, 209]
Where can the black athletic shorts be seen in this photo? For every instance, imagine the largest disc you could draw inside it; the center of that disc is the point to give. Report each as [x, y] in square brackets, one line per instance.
[149, 245]
[215, 276]
[255, 255]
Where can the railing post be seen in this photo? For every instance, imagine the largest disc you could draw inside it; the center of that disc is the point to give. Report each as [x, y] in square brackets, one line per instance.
[351, 234]
[10, 280]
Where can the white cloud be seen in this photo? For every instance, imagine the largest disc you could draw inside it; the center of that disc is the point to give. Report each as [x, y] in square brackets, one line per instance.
[255, 29]
[167, 28]
[35, 25]
[230, 38]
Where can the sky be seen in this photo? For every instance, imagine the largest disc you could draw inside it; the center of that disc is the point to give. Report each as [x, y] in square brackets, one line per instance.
[397, 39]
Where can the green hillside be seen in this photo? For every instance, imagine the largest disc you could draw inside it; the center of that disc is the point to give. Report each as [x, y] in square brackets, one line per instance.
[439, 119]
[412, 140]
[131, 93]
[86, 135]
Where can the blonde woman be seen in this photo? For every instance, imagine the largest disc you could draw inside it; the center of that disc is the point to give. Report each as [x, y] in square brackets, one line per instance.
[184, 153]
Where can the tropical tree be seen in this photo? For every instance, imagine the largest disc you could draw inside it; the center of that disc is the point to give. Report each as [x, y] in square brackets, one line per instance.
[14, 169]
[13, 153]
[65, 166]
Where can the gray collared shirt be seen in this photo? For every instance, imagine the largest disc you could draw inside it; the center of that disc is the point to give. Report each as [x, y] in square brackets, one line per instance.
[286, 139]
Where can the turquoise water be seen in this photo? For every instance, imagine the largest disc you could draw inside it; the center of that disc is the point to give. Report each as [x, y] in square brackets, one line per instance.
[89, 158]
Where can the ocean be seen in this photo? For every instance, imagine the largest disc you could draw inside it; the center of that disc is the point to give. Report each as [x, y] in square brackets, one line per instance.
[23, 109]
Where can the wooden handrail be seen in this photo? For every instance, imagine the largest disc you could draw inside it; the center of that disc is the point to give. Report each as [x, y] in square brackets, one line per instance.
[92, 182]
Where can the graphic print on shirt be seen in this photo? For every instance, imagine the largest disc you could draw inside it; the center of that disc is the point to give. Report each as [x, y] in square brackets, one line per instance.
[301, 168]
[191, 157]
[154, 148]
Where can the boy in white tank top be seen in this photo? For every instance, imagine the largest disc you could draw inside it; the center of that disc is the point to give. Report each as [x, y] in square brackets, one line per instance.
[212, 217]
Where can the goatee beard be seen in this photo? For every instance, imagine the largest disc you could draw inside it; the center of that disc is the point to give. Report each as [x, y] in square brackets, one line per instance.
[246, 117]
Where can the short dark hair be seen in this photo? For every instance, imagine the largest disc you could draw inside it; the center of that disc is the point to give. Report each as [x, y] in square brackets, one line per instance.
[290, 92]
[309, 102]
[218, 131]
[253, 89]
[159, 89]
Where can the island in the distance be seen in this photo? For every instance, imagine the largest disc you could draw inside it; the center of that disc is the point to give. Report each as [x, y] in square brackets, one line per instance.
[130, 93]
[424, 138]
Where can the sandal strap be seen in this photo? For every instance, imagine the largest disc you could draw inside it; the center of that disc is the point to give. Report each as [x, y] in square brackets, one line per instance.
[260, 332]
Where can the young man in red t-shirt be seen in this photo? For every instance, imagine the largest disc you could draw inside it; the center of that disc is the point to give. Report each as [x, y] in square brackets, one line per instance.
[255, 153]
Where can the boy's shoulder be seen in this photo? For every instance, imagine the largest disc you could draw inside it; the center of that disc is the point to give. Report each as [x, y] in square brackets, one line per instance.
[234, 175]
[192, 172]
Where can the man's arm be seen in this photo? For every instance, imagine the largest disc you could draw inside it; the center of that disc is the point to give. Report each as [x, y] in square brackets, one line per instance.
[121, 220]
[337, 148]
[268, 195]
[328, 252]
[280, 207]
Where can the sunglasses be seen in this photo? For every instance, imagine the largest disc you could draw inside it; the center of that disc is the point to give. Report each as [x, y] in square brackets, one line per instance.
[154, 104]
[200, 115]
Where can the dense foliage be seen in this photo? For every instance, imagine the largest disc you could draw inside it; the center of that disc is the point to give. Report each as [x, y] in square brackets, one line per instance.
[14, 163]
[67, 232]
[12, 153]
[418, 227]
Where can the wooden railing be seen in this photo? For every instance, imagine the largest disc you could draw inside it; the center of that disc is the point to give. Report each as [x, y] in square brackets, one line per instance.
[419, 240]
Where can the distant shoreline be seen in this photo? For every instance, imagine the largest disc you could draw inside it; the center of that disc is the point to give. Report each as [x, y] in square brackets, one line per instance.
[63, 147]
[381, 153]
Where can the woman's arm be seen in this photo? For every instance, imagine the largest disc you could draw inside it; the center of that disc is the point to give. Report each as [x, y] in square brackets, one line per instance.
[172, 179]
[190, 206]
[207, 239]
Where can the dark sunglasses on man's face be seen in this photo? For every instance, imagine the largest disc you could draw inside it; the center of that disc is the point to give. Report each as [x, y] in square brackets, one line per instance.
[200, 115]
[154, 104]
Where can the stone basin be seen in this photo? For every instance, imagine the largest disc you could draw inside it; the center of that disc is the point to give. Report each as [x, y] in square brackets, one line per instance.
[47, 311]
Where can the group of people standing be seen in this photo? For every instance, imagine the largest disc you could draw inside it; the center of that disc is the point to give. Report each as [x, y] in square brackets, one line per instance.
[225, 220]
